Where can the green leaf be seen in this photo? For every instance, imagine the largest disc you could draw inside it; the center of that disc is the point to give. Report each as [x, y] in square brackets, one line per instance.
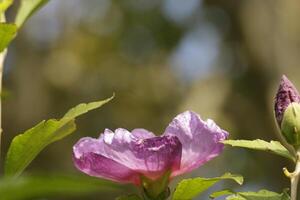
[129, 197]
[84, 108]
[25, 147]
[273, 146]
[26, 9]
[221, 193]
[260, 195]
[7, 34]
[4, 4]
[187, 189]
[59, 185]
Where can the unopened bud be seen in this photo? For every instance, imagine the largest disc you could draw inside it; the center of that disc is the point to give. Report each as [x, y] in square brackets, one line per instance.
[290, 125]
[286, 94]
[287, 111]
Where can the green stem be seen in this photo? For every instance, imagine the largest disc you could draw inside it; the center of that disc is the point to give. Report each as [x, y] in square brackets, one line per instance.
[294, 177]
[156, 189]
[163, 196]
[295, 180]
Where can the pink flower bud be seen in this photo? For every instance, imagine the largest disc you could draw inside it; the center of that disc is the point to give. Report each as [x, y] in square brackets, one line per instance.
[286, 94]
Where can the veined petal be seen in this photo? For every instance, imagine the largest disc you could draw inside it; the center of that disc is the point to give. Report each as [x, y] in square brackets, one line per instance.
[200, 140]
[88, 159]
[159, 154]
[142, 133]
[151, 156]
[130, 155]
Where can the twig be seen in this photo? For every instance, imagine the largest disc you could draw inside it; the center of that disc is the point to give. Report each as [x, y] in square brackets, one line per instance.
[294, 177]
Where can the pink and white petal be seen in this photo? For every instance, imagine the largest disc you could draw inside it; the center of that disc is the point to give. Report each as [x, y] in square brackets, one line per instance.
[142, 133]
[151, 156]
[88, 159]
[87, 145]
[200, 140]
[117, 145]
[158, 155]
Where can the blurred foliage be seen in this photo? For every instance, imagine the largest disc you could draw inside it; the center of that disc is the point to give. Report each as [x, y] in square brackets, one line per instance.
[222, 59]
[41, 186]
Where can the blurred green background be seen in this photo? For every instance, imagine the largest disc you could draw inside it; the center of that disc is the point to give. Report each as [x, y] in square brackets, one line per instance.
[220, 58]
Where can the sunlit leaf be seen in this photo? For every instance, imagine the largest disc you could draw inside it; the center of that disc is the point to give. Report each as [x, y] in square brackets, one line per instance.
[260, 195]
[44, 186]
[7, 34]
[25, 147]
[84, 108]
[273, 146]
[27, 8]
[129, 197]
[4, 4]
[188, 189]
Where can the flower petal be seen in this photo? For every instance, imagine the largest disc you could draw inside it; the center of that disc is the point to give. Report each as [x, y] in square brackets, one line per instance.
[88, 159]
[129, 155]
[142, 133]
[151, 156]
[199, 139]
